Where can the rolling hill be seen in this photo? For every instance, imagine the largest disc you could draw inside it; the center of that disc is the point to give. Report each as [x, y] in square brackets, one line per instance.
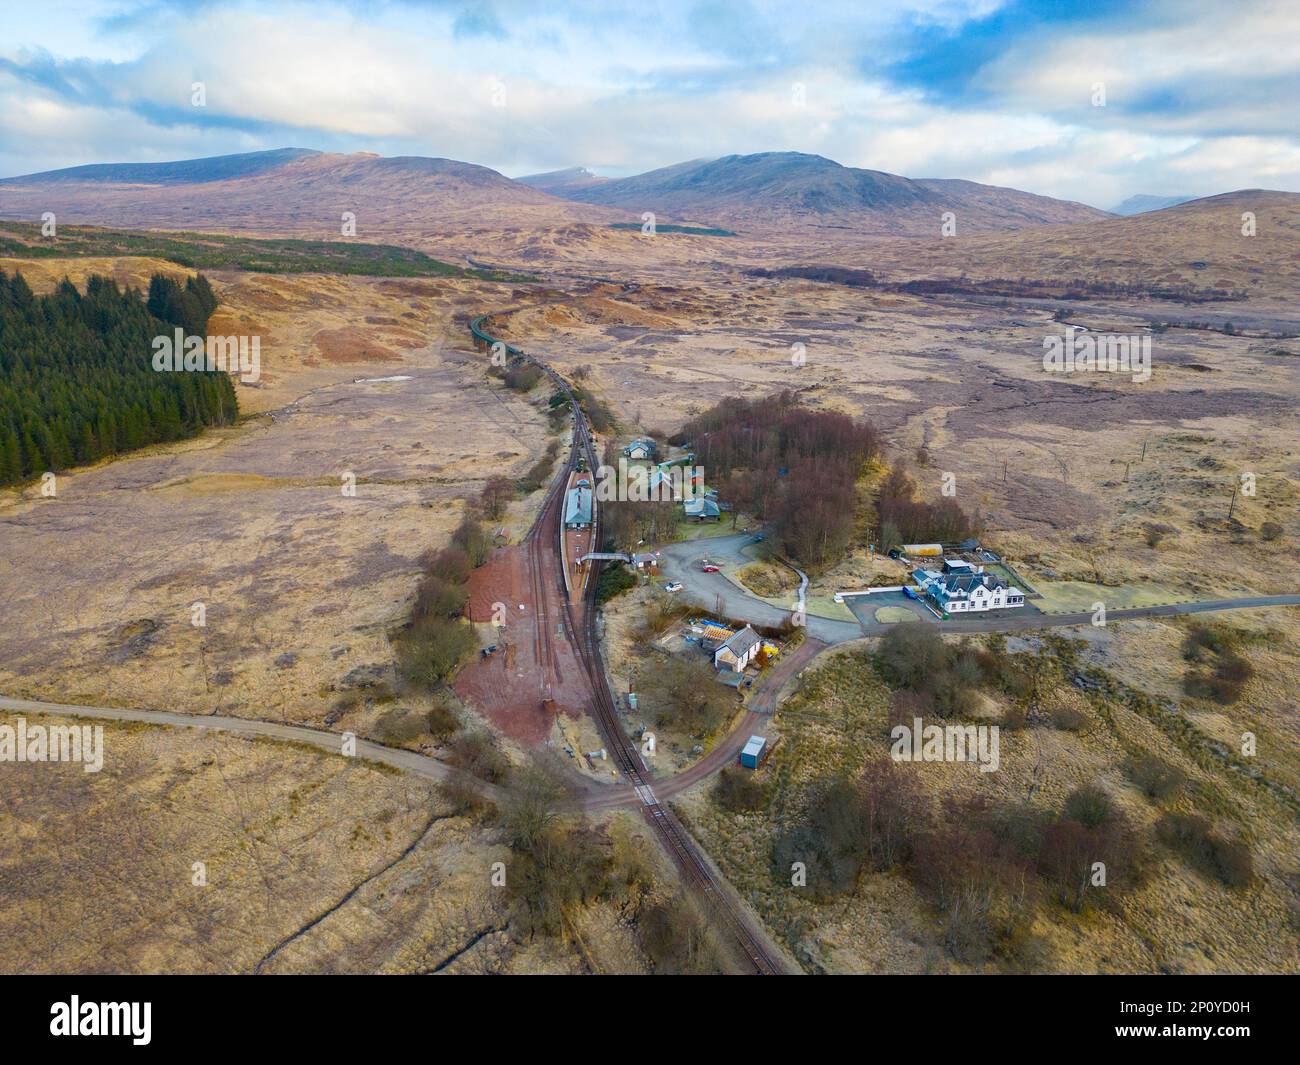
[288, 191]
[299, 191]
[180, 172]
[1198, 244]
[792, 187]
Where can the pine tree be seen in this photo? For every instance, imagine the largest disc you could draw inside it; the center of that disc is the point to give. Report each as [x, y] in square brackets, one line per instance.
[76, 380]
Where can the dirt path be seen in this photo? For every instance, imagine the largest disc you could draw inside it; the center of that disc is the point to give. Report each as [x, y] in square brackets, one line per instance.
[329, 742]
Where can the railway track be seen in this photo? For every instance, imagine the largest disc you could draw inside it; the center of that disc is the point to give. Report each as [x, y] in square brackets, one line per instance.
[695, 870]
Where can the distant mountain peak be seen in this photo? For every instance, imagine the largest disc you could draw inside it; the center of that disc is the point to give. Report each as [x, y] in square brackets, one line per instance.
[801, 188]
[1142, 203]
[562, 182]
[178, 172]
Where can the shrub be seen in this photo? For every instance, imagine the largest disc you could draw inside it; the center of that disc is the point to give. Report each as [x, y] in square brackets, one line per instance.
[684, 694]
[441, 720]
[463, 798]
[1156, 778]
[829, 841]
[475, 753]
[1001, 669]
[1224, 683]
[1228, 671]
[678, 939]
[432, 648]
[911, 654]
[1069, 719]
[663, 611]
[437, 597]
[531, 807]
[1071, 850]
[849, 824]
[564, 870]
[523, 376]
[1234, 863]
[398, 727]
[1270, 530]
[1089, 805]
[953, 697]
[1205, 638]
[613, 581]
[1090, 830]
[598, 413]
[1191, 835]
[497, 492]
[982, 888]
[451, 564]
[470, 538]
[906, 706]
[1014, 718]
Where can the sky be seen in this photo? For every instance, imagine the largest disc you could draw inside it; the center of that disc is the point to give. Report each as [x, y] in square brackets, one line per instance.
[1093, 100]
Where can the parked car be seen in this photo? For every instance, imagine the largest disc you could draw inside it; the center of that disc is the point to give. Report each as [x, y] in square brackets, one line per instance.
[709, 567]
[673, 586]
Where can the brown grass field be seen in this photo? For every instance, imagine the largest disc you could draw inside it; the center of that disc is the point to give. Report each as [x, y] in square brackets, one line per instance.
[302, 584]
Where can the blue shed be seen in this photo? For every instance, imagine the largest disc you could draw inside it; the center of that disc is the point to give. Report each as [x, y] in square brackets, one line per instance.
[752, 751]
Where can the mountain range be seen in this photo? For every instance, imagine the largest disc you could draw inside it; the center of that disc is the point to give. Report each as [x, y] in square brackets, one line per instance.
[289, 190]
[793, 187]
[293, 189]
[788, 207]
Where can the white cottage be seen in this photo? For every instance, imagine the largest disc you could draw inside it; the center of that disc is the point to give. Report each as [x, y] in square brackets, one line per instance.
[737, 651]
[963, 588]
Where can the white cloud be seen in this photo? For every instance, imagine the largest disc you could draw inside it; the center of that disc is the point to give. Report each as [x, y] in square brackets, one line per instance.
[627, 89]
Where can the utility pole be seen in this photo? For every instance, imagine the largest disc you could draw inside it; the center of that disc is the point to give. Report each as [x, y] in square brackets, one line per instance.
[1232, 504]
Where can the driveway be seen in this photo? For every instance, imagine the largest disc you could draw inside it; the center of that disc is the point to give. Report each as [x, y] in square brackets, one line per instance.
[718, 593]
[864, 607]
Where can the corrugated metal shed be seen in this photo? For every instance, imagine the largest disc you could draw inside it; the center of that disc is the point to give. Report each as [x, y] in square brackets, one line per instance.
[752, 751]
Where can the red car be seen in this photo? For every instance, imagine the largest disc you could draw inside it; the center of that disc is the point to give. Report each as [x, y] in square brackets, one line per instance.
[709, 567]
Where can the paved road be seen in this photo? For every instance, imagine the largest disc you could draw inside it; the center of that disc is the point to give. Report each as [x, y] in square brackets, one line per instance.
[681, 562]
[592, 795]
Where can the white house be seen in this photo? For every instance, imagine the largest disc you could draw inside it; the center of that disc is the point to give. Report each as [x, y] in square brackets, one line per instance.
[738, 651]
[962, 588]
